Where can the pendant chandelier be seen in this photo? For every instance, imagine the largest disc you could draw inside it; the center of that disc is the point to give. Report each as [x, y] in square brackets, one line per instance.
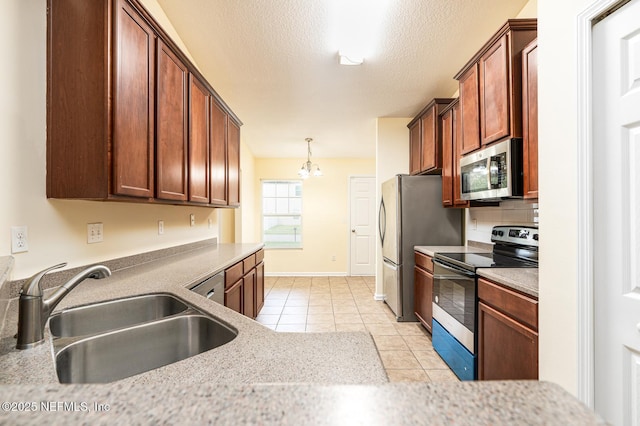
[308, 167]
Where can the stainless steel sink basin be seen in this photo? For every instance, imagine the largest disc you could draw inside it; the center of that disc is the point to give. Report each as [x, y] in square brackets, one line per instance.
[123, 353]
[114, 314]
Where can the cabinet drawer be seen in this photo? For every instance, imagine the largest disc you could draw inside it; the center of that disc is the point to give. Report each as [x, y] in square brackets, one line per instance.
[423, 261]
[232, 275]
[259, 256]
[249, 263]
[516, 305]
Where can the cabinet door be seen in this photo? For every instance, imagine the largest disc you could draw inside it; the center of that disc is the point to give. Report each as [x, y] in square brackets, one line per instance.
[457, 154]
[447, 158]
[415, 153]
[259, 287]
[431, 154]
[249, 294]
[233, 159]
[199, 103]
[218, 155]
[494, 92]
[423, 303]
[233, 297]
[171, 133]
[507, 350]
[530, 119]
[470, 110]
[132, 152]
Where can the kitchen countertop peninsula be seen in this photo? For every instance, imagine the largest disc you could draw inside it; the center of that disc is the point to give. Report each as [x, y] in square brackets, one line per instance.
[261, 377]
[432, 250]
[256, 355]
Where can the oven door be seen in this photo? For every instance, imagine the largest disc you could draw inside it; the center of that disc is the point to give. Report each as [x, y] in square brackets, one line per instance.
[454, 302]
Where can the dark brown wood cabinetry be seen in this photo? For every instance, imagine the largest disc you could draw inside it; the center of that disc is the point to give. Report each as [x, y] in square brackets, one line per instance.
[423, 289]
[491, 85]
[507, 333]
[233, 164]
[425, 138]
[451, 141]
[530, 118]
[199, 119]
[129, 117]
[244, 285]
[171, 129]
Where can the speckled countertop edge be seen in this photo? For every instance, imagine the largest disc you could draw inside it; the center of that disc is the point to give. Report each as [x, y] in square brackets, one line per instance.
[462, 403]
[432, 250]
[524, 280]
[257, 355]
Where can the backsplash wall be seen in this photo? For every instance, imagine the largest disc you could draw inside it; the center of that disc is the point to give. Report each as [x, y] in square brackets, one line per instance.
[480, 220]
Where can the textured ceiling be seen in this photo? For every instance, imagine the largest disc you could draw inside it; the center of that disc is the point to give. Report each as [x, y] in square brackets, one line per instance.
[273, 62]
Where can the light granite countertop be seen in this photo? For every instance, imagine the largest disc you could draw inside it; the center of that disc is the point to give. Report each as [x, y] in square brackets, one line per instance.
[256, 355]
[261, 377]
[465, 403]
[524, 280]
[432, 250]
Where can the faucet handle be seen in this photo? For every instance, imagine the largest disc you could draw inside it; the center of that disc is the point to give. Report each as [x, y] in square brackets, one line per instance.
[32, 286]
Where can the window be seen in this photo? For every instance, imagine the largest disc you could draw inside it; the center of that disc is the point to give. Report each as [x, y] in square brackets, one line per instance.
[282, 213]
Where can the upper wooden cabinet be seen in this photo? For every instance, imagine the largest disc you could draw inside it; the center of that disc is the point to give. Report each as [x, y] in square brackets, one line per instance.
[491, 84]
[425, 138]
[171, 129]
[530, 118]
[451, 141]
[233, 163]
[129, 117]
[199, 123]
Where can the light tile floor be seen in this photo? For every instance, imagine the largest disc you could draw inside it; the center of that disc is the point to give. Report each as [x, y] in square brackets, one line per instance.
[335, 304]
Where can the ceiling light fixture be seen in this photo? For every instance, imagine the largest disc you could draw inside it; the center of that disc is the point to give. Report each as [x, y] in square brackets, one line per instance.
[355, 28]
[350, 60]
[308, 167]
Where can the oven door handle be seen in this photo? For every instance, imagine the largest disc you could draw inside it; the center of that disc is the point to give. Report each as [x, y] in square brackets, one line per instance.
[454, 269]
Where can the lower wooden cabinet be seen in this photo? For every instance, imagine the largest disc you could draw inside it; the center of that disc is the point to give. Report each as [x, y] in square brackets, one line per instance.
[507, 334]
[244, 285]
[423, 289]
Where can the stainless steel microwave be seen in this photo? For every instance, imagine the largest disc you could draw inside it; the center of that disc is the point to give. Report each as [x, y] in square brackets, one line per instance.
[493, 173]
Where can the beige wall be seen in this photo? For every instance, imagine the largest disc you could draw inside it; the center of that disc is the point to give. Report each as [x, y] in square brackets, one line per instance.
[325, 214]
[392, 153]
[248, 191]
[57, 228]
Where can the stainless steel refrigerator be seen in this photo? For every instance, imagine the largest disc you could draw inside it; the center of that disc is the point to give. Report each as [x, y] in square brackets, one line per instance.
[411, 214]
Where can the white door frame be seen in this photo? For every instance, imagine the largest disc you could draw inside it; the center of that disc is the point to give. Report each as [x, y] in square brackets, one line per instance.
[375, 260]
[585, 332]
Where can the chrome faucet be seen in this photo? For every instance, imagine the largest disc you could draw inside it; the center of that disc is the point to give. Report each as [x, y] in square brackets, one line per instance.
[34, 310]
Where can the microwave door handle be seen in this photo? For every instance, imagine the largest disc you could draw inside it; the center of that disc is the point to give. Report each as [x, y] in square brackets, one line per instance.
[454, 270]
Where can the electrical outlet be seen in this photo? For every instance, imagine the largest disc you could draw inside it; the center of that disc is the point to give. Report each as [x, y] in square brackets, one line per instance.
[333, 258]
[192, 217]
[160, 227]
[210, 222]
[19, 240]
[94, 233]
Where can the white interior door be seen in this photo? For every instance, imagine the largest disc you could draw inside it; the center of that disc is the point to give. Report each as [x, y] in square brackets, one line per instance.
[362, 225]
[616, 215]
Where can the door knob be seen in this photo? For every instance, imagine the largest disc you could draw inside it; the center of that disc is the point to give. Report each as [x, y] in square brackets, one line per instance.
[353, 230]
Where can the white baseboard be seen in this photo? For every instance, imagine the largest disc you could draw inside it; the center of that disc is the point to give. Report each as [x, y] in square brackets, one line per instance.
[378, 296]
[305, 274]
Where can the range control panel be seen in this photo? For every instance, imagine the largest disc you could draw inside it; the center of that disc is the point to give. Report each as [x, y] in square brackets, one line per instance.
[515, 234]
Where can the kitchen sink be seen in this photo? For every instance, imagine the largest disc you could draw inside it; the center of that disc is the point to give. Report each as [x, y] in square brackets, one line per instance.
[114, 314]
[129, 351]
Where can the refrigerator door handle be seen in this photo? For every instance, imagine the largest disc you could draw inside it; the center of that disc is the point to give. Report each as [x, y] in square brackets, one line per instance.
[382, 221]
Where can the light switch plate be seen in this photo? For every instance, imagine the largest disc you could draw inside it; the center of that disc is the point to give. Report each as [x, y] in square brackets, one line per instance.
[94, 233]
